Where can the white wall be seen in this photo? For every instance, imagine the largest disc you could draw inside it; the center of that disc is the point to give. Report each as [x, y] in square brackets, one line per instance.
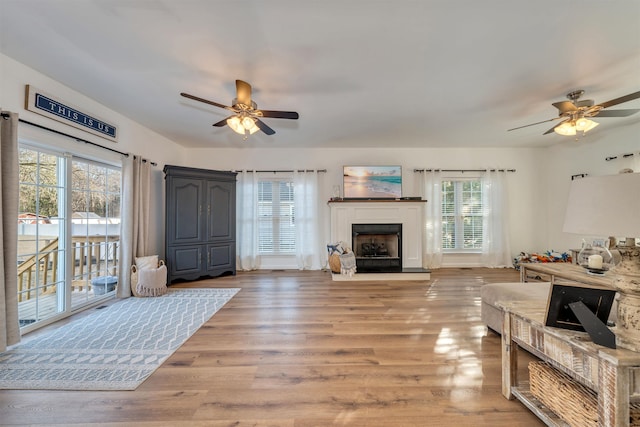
[586, 155]
[134, 138]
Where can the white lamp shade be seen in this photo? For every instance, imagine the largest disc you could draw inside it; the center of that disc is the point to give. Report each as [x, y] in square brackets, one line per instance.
[585, 124]
[235, 124]
[242, 124]
[249, 124]
[604, 206]
[566, 129]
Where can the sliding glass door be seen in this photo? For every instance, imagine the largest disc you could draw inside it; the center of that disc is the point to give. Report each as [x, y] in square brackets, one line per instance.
[68, 233]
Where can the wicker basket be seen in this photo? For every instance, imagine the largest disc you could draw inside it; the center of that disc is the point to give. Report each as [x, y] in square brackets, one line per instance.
[334, 262]
[634, 414]
[573, 402]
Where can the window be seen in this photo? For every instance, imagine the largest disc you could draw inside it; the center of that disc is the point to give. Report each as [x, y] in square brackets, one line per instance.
[68, 232]
[276, 219]
[462, 215]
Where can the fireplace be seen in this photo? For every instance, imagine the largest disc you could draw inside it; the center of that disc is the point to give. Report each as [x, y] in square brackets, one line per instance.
[377, 247]
[407, 213]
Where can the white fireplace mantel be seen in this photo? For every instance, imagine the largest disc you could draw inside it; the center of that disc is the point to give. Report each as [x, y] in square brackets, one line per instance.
[409, 213]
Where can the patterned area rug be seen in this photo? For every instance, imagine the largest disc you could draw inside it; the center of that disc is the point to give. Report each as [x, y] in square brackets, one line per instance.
[115, 348]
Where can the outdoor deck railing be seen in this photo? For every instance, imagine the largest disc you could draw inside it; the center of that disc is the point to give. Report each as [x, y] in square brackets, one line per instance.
[93, 256]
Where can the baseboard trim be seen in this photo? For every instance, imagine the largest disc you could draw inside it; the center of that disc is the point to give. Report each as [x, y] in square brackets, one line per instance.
[418, 274]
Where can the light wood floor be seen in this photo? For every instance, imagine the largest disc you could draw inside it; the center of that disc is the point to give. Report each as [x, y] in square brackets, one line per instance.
[295, 349]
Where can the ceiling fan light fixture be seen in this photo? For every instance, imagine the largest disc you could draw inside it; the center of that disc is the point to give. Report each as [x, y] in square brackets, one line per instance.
[242, 125]
[566, 129]
[234, 123]
[585, 125]
[246, 116]
[250, 124]
[576, 114]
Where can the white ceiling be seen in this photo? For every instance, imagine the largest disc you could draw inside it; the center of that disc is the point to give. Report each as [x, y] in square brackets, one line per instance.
[385, 73]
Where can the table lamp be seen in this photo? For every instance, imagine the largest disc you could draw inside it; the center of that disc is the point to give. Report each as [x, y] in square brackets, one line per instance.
[610, 206]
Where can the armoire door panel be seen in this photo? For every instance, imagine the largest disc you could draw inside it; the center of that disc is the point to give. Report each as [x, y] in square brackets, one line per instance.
[186, 260]
[221, 201]
[187, 207]
[221, 257]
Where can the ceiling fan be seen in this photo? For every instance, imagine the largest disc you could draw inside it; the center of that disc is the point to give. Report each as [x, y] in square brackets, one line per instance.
[245, 119]
[574, 115]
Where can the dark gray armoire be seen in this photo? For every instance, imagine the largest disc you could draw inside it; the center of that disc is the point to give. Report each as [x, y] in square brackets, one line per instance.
[200, 223]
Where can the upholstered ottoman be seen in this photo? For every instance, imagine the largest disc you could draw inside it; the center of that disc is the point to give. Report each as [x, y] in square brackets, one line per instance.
[506, 292]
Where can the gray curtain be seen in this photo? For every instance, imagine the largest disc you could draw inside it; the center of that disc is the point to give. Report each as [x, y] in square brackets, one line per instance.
[134, 233]
[9, 325]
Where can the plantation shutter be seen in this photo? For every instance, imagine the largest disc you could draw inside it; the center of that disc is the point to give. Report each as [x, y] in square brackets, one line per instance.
[276, 220]
[462, 215]
[265, 210]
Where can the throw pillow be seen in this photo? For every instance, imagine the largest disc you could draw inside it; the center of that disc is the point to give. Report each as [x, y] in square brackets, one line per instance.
[152, 282]
[150, 261]
[144, 262]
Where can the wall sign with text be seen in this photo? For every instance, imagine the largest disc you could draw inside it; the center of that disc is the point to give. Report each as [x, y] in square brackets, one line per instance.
[42, 103]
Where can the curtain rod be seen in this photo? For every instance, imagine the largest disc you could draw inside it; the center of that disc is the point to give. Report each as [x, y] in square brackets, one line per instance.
[4, 115]
[284, 171]
[464, 170]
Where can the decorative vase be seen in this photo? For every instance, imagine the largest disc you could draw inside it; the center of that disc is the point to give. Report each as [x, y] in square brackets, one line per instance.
[627, 282]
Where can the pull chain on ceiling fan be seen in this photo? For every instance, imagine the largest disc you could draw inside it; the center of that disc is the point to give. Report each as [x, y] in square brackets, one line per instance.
[245, 119]
[575, 115]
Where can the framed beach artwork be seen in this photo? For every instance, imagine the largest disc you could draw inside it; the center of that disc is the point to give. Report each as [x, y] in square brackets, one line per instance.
[372, 182]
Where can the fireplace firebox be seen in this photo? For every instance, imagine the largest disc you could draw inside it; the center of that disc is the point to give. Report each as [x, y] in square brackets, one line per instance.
[377, 247]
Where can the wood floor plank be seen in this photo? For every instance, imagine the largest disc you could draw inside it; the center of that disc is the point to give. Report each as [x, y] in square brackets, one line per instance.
[296, 349]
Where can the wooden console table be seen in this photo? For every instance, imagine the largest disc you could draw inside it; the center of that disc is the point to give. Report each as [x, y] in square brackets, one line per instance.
[613, 374]
[562, 272]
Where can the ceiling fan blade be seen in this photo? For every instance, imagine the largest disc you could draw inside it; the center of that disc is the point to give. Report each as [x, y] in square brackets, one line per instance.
[617, 113]
[620, 100]
[243, 92]
[533, 124]
[280, 114]
[222, 122]
[206, 101]
[565, 106]
[264, 128]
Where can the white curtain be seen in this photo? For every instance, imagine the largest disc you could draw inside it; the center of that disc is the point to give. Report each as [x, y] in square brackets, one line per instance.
[9, 325]
[309, 254]
[432, 193]
[247, 257]
[496, 251]
[134, 232]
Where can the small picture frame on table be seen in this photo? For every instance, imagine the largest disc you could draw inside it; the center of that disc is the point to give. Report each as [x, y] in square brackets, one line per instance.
[560, 315]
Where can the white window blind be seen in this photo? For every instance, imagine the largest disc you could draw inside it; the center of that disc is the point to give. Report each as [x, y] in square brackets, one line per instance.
[462, 214]
[276, 219]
